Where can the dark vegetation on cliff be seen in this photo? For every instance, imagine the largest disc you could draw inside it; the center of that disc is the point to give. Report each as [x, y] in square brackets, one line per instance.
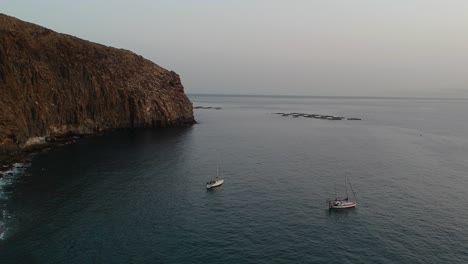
[55, 86]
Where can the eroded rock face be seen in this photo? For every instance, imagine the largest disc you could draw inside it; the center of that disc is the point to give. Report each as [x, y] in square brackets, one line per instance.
[56, 85]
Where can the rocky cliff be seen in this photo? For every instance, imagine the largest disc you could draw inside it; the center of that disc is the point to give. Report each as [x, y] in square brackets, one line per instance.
[54, 85]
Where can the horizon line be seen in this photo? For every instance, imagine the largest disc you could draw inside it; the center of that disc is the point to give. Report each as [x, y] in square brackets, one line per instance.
[327, 96]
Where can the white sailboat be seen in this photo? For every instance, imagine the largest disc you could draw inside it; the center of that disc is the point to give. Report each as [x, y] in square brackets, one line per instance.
[216, 182]
[343, 203]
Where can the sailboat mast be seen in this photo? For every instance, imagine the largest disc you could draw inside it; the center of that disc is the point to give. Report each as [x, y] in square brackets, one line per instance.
[354, 194]
[346, 186]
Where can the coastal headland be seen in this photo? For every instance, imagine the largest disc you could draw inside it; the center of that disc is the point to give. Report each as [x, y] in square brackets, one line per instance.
[56, 87]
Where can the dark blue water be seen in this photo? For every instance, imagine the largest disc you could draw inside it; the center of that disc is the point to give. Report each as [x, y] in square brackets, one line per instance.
[139, 197]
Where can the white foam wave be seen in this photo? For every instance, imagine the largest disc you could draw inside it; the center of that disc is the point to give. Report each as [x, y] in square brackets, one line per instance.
[7, 179]
[3, 230]
[2, 234]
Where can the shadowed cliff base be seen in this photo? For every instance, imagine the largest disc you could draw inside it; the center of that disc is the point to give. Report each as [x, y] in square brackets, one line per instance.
[56, 86]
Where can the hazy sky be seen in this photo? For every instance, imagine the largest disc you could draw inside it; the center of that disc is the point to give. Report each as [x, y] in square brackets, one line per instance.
[328, 47]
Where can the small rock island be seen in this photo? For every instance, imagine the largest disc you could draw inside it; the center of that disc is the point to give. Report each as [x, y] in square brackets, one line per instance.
[56, 86]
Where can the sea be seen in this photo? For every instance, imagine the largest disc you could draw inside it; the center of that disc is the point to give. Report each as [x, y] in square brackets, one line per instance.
[139, 196]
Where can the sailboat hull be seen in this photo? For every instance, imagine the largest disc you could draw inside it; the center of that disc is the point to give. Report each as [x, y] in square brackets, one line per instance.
[342, 205]
[215, 184]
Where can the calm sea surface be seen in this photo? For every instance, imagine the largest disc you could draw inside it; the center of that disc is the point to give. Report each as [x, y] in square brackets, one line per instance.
[139, 197]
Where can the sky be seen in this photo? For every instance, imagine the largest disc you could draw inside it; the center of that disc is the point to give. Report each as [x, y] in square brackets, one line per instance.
[415, 48]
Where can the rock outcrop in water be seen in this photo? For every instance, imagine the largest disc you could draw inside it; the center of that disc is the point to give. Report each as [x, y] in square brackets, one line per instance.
[55, 86]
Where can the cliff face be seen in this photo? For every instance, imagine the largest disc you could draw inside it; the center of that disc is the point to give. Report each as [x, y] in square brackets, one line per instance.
[56, 85]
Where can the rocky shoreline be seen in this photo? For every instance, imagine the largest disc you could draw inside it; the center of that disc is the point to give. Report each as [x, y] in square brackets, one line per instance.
[24, 155]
